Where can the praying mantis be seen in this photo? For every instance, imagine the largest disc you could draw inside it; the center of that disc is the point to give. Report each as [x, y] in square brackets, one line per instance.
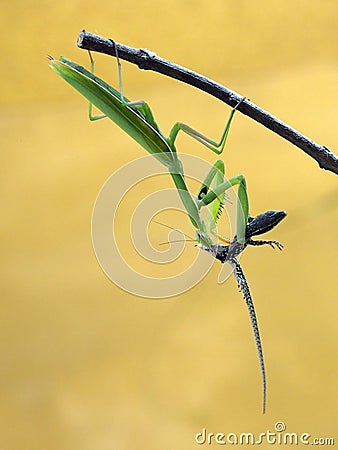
[137, 120]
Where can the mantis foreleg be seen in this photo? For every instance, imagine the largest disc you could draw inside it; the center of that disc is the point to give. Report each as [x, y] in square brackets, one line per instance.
[214, 177]
[208, 196]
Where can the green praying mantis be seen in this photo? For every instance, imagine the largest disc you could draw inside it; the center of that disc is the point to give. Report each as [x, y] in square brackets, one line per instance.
[137, 120]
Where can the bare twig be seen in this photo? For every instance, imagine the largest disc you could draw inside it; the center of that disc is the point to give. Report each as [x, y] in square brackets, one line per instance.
[148, 60]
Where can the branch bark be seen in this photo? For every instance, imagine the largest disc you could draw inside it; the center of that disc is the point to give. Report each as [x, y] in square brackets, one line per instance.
[148, 60]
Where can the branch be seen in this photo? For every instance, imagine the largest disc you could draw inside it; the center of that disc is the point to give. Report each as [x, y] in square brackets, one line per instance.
[148, 60]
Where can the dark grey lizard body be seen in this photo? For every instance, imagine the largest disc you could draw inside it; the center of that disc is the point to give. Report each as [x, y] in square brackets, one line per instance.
[228, 253]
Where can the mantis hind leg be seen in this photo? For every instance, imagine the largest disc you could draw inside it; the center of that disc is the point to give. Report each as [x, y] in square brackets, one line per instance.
[216, 147]
[90, 110]
[139, 105]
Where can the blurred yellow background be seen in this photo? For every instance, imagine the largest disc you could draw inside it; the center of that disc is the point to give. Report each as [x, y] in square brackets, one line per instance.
[85, 365]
